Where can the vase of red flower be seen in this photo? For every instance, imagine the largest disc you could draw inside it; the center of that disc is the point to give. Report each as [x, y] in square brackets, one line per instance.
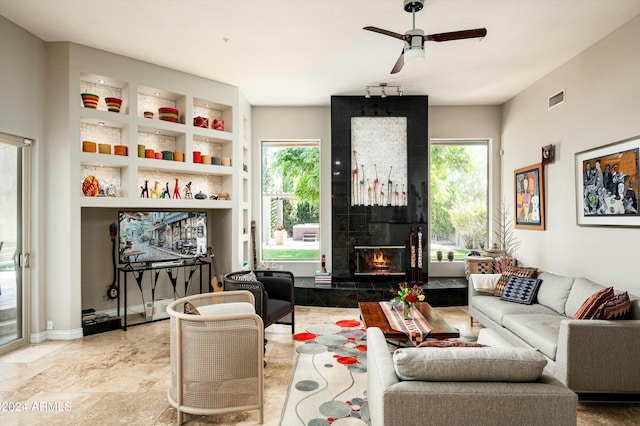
[409, 296]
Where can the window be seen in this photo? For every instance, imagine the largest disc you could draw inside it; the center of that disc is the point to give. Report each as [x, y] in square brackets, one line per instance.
[290, 201]
[459, 198]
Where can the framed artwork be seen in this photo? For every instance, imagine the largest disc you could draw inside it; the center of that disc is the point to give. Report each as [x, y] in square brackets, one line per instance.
[529, 197]
[607, 184]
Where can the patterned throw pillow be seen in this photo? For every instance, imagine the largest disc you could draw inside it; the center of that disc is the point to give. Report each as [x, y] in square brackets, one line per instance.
[249, 276]
[616, 308]
[593, 302]
[521, 290]
[513, 271]
[449, 344]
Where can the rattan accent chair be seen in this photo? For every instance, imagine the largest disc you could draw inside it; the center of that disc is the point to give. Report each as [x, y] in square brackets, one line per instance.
[273, 291]
[216, 355]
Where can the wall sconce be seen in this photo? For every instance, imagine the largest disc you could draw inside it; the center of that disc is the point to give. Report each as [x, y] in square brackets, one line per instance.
[383, 89]
[547, 154]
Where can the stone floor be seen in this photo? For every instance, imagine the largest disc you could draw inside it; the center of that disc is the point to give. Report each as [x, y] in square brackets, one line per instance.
[122, 378]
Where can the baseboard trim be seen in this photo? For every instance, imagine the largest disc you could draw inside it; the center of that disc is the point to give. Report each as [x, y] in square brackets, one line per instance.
[64, 334]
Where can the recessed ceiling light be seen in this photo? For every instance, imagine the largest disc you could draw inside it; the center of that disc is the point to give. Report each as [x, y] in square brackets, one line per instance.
[100, 123]
[207, 105]
[157, 93]
[157, 132]
[101, 81]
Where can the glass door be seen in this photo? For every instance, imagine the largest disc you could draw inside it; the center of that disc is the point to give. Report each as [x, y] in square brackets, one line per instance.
[14, 258]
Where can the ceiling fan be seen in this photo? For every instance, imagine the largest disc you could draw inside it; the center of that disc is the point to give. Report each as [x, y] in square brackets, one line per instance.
[414, 38]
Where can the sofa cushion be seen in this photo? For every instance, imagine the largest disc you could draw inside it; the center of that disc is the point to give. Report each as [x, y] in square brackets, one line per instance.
[469, 365]
[496, 309]
[228, 308]
[616, 308]
[510, 271]
[554, 291]
[539, 331]
[593, 302]
[521, 290]
[581, 289]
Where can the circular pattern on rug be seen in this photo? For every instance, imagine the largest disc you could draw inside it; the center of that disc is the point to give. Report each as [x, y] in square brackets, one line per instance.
[357, 368]
[331, 339]
[318, 422]
[348, 421]
[348, 323]
[335, 409]
[311, 348]
[304, 336]
[352, 334]
[307, 385]
[323, 329]
[347, 360]
[347, 352]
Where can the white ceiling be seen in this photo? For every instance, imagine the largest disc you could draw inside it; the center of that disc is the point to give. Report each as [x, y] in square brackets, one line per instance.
[300, 52]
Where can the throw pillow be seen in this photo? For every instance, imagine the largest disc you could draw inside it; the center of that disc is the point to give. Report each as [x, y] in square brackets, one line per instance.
[249, 276]
[510, 271]
[593, 302]
[449, 344]
[190, 308]
[469, 365]
[521, 290]
[616, 308]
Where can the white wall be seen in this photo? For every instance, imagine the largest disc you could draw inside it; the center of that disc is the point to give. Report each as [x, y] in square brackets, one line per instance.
[602, 106]
[281, 123]
[22, 90]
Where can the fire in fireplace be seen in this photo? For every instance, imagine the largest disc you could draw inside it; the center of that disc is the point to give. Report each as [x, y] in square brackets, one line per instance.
[379, 260]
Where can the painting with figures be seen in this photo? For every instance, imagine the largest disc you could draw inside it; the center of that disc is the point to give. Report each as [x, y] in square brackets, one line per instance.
[607, 185]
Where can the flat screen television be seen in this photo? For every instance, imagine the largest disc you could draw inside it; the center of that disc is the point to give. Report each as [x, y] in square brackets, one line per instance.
[160, 236]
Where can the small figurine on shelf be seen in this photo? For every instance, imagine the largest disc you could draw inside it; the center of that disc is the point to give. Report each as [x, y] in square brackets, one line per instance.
[166, 193]
[176, 190]
[145, 190]
[154, 191]
[187, 191]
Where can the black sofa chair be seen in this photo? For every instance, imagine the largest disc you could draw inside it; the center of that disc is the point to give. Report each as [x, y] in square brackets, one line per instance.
[273, 291]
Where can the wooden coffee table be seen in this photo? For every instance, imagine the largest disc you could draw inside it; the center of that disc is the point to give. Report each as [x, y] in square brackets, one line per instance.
[373, 316]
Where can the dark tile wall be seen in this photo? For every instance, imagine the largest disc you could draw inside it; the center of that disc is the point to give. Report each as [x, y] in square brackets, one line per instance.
[376, 225]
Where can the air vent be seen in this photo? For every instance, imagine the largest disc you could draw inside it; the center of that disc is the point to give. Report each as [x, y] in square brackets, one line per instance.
[556, 99]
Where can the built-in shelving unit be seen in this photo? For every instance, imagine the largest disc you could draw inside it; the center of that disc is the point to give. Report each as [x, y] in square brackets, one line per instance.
[212, 127]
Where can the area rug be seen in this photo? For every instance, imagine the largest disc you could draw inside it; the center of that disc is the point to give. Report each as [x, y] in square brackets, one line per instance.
[329, 382]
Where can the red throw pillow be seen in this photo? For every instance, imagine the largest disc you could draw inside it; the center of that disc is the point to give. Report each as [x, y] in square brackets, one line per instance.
[616, 308]
[511, 271]
[593, 302]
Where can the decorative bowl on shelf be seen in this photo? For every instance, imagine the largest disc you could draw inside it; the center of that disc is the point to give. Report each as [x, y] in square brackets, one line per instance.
[148, 114]
[178, 156]
[90, 186]
[89, 100]
[218, 125]
[201, 122]
[88, 146]
[113, 104]
[169, 114]
[120, 150]
[104, 148]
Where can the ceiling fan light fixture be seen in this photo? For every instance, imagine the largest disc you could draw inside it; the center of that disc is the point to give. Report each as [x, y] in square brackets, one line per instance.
[414, 55]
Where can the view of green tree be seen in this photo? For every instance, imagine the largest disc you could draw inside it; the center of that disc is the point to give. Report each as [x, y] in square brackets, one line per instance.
[458, 185]
[300, 173]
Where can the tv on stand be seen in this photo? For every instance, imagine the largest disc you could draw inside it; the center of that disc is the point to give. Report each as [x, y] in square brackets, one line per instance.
[157, 237]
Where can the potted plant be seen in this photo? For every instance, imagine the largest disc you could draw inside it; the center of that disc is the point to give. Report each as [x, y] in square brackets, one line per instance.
[280, 234]
[506, 242]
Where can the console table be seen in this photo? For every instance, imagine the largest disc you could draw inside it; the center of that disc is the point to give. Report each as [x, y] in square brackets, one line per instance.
[174, 272]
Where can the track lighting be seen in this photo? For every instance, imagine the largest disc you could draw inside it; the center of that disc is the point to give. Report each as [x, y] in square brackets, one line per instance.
[382, 87]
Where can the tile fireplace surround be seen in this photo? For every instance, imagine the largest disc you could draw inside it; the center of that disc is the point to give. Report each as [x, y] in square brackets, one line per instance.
[375, 225]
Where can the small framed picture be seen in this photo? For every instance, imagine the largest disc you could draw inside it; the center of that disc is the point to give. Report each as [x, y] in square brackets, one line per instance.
[607, 184]
[529, 197]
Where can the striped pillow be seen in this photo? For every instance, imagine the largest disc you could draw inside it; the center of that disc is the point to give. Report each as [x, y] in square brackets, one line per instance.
[616, 308]
[593, 302]
[511, 271]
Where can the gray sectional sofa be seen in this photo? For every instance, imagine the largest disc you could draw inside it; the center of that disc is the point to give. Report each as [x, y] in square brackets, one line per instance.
[463, 386]
[589, 356]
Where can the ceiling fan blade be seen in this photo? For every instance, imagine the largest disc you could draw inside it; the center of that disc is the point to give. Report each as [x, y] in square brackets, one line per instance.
[384, 32]
[457, 35]
[399, 63]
